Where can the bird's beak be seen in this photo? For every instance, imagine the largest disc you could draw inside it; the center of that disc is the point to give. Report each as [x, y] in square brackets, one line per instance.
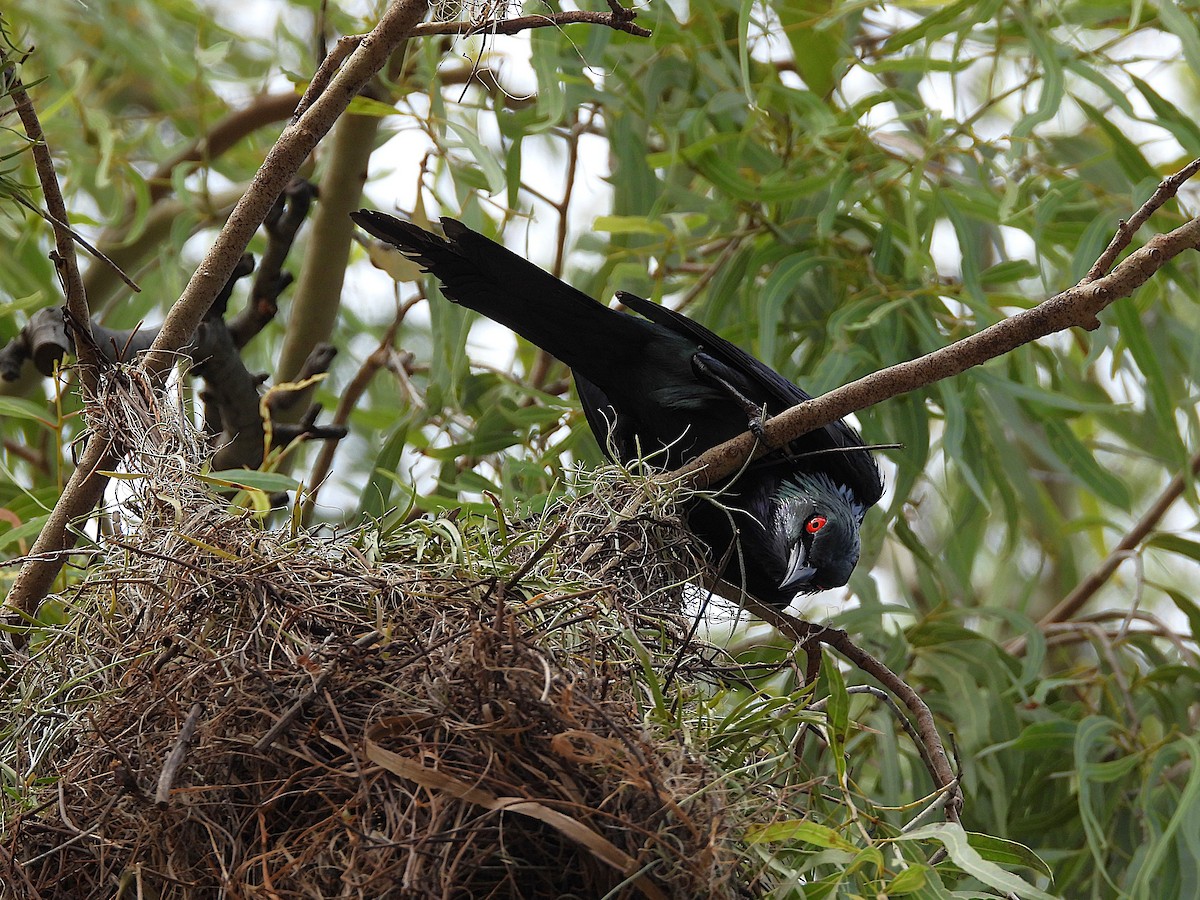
[798, 575]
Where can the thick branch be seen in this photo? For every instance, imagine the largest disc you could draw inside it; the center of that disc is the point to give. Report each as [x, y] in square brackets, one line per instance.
[1077, 306]
[86, 485]
[278, 169]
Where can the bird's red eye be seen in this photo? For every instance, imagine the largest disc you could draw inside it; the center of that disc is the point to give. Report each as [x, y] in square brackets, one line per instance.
[815, 524]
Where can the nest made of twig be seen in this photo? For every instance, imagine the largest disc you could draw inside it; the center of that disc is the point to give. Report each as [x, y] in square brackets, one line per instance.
[442, 710]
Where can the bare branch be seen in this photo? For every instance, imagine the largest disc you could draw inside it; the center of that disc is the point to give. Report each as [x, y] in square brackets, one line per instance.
[86, 485]
[1097, 578]
[1075, 307]
[1167, 189]
[281, 165]
[64, 257]
[621, 21]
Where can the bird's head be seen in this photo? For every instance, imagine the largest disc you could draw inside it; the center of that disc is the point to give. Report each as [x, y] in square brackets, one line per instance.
[814, 533]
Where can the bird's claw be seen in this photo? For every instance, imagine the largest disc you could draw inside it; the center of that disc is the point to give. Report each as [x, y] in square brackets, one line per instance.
[756, 427]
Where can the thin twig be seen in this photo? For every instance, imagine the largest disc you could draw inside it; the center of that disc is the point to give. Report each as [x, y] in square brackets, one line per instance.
[945, 795]
[64, 245]
[1098, 577]
[162, 796]
[97, 825]
[622, 21]
[325, 71]
[1167, 189]
[930, 746]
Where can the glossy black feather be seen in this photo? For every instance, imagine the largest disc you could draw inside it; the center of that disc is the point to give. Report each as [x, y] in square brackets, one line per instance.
[646, 384]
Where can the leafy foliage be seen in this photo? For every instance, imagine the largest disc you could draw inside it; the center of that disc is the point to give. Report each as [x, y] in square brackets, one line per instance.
[836, 187]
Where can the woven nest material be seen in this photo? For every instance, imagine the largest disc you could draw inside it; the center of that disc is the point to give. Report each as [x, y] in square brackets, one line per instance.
[446, 710]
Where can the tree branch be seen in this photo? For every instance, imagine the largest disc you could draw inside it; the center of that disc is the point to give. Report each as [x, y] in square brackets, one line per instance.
[86, 485]
[282, 163]
[930, 747]
[621, 21]
[1166, 189]
[1098, 577]
[64, 257]
[1075, 307]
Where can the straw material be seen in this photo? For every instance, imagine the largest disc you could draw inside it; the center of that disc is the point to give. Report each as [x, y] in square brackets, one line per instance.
[443, 709]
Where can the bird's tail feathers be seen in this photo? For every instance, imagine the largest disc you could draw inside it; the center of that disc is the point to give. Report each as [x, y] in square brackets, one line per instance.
[482, 275]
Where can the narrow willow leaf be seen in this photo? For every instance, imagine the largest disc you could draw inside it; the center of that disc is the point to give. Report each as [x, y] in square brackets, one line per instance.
[958, 846]
[801, 830]
[251, 478]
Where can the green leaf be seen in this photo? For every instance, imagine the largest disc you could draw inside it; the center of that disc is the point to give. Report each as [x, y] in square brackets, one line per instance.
[838, 709]
[1174, 543]
[484, 158]
[1169, 116]
[630, 225]
[1183, 26]
[271, 482]
[801, 830]
[818, 44]
[1155, 864]
[1053, 84]
[20, 408]
[1186, 605]
[1082, 465]
[932, 26]
[1127, 154]
[377, 492]
[1008, 853]
[958, 845]
[1007, 272]
[26, 531]
[911, 880]
[1040, 736]
[1134, 336]
[774, 298]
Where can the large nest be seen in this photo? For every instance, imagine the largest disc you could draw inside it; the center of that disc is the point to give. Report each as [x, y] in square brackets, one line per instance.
[444, 709]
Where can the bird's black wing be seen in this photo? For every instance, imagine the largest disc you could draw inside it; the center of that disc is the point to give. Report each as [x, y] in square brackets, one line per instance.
[602, 418]
[783, 392]
[847, 462]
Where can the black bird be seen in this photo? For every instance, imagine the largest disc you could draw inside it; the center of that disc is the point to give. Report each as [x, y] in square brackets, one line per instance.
[663, 384]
